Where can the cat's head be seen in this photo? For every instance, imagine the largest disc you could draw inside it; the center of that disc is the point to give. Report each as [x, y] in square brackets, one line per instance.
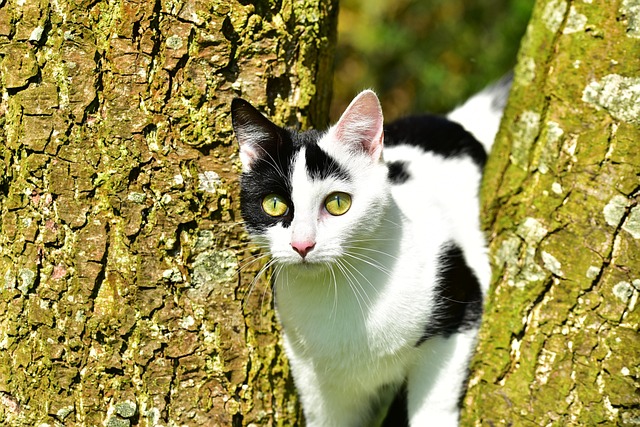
[312, 196]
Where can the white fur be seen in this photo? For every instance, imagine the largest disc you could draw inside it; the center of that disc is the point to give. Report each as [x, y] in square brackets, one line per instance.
[250, 151]
[353, 310]
[480, 116]
[349, 333]
[437, 378]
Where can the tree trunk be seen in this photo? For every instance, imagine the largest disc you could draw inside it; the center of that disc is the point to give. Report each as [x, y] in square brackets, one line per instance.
[560, 344]
[120, 239]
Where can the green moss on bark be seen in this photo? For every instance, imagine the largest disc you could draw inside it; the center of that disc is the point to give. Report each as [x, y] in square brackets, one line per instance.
[120, 238]
[559, 197]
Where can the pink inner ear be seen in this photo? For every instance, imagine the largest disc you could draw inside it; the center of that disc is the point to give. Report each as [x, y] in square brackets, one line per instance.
[360, 126]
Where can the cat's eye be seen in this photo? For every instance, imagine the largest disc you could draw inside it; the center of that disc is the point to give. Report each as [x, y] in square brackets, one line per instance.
[337, 203]
[274, 205]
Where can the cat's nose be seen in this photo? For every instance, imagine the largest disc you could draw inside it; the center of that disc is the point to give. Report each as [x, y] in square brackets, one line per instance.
[303, 248]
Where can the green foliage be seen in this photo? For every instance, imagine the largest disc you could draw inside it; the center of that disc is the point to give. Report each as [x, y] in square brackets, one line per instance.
[425, 55]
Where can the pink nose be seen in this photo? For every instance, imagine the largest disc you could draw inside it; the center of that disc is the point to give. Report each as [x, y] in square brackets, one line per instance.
[303, 248]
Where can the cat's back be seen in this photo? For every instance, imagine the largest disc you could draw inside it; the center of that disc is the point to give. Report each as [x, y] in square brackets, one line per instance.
[435, 168]
[436, 135]
[433, 163]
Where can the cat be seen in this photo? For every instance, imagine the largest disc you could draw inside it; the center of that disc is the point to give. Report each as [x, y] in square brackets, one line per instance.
[380, 265]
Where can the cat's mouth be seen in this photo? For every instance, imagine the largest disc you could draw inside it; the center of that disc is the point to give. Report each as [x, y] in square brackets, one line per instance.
[308, 263]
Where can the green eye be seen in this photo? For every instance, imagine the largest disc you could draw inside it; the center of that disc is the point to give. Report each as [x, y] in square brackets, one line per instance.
[274, 205]
[337, 203]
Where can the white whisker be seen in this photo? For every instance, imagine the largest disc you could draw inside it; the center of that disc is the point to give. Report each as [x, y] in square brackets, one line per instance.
[369, 261]
[355, 288]
[334, 309]
[273, 164]
[255, 280]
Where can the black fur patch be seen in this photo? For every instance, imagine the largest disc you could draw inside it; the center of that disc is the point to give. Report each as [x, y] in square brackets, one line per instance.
[320, 165]
[435, 134]
[398, 413]
[458, 296]
[398, 173]
[270, 173]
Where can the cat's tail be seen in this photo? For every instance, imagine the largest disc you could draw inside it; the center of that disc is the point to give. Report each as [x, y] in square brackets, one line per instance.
[481, 114]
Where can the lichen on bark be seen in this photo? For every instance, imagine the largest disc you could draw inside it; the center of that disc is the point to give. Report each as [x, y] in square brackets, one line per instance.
[559, 342]
[120, 240]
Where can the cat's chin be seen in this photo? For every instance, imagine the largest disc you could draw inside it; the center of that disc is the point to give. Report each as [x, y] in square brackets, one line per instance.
[304, 267]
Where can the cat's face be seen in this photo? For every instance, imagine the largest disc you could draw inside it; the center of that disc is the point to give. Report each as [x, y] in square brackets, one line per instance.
[312, 197]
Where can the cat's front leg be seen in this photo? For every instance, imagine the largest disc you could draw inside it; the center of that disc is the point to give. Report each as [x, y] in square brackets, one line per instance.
[328, 400]
[330, 405]
[436, 381]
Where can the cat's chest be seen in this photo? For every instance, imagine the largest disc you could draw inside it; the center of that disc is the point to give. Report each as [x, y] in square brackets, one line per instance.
[361, 313]
[346, 346]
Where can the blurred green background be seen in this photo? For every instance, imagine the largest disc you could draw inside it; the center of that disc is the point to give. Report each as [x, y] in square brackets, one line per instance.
[424, 55]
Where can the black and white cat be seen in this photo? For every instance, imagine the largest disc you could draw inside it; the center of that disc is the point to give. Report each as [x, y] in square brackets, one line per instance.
[380, 263]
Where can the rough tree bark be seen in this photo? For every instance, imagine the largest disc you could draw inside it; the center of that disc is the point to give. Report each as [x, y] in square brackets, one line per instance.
[119, 233]
[560, 343]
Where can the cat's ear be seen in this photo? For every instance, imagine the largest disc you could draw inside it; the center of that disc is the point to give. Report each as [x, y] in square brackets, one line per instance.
[360, 126]
[256, 134]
